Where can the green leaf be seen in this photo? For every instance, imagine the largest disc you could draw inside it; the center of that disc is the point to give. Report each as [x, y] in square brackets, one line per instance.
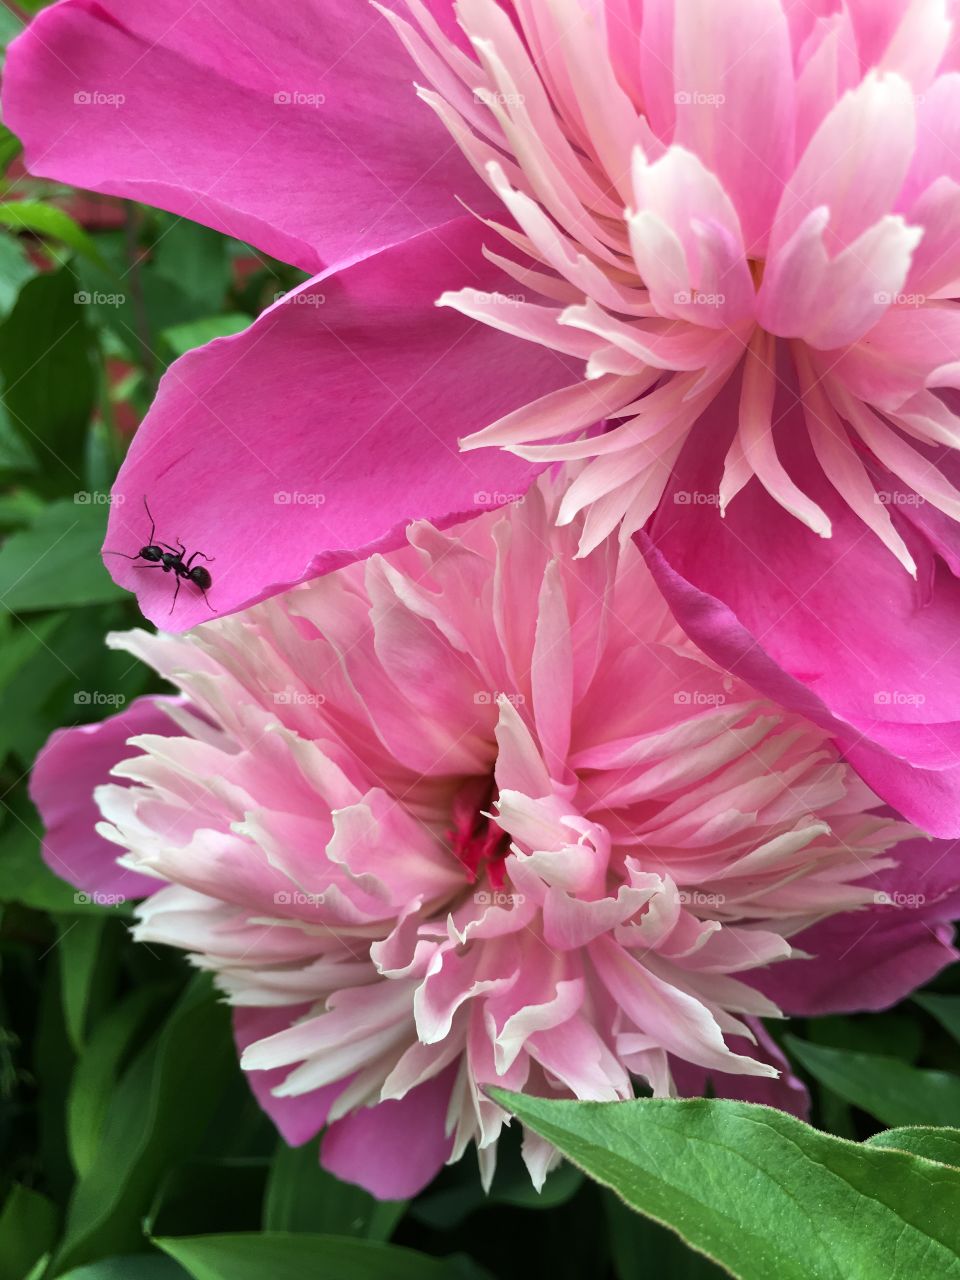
[157, 1114]
[139, 1266]
[182, 338]
[28, 1225]
[48, 221]
[24, 876]
[946, 1010]
[15, 270]
[47, 360]
[10, 146]
[195, 259]
[897, 1094]
[56, 561]
[98, 1069]
[759, 1191]
[301, 1196]
[295, 1257]
[78, 949]
[933, 1144]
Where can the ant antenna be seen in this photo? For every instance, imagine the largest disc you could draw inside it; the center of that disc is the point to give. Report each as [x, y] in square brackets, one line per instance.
[153, 523]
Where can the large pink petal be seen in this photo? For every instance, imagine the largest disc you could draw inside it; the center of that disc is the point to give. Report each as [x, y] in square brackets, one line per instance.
[394, 1149]
[719, 77]
[300, 1118]
[296, 127]
[833, 628]
[72, 763]
[873, 958]
[315, 436]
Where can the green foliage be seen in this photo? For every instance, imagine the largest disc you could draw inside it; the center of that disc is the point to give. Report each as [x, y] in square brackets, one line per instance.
[758, 1191]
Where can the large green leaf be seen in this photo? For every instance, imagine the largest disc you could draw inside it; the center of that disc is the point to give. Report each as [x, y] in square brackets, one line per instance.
[15, 270]
[301, 1196]
[157, 1115]
[278, 1256]
[759, 1191]
[47, 359]
[182, 338]
[933, 1144]
[139, 1266]
[78, 949]
[48, 221]
[889, 1089]
[27, 1228]
[56, 561]
[98, 1069]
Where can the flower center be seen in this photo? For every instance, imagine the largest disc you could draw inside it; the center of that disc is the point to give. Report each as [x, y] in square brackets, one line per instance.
[476, 840]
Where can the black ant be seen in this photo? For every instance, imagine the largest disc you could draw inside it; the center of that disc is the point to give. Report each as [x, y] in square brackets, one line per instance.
[160, 555]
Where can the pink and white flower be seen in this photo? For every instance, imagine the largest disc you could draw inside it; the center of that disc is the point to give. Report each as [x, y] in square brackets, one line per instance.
[477, 813]
[712, 253]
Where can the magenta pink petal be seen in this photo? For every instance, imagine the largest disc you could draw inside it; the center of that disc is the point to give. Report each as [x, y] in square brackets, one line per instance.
[819, 624]
[296, 127]
[314, 437]
[872, 959]
[300, 1118]
[394, 1149]
[68, 769]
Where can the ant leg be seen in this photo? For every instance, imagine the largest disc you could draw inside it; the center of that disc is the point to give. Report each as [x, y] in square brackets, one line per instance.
[209, 559]
[152, 566]
[175, 594]
[153, 523]
[206, 601]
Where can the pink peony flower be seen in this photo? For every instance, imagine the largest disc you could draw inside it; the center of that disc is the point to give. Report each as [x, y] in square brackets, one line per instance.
[478, 812]
[725, 233]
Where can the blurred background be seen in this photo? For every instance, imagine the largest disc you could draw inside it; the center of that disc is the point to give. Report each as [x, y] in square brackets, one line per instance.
[124, 1118]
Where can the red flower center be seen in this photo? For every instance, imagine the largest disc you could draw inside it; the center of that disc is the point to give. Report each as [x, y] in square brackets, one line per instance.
[476, 840]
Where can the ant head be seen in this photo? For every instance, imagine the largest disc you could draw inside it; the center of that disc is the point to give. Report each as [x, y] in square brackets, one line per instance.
[151, 553]
[201, 577]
